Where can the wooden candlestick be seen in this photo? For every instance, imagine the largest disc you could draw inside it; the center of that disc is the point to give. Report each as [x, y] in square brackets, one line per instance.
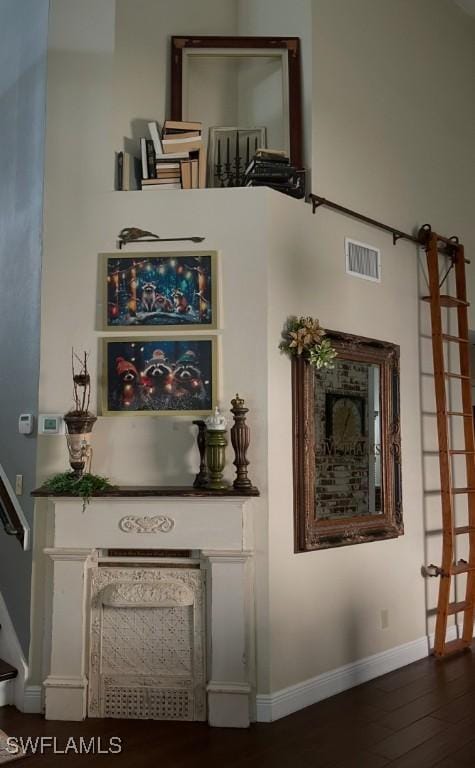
[203, 475]
[216, 450]
[240, 438]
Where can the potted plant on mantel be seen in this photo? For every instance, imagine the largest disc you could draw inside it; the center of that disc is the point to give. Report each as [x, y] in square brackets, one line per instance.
[79, 423]
[79, 420]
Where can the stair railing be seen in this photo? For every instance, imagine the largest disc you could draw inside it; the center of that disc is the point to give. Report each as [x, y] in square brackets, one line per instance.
[11, 514]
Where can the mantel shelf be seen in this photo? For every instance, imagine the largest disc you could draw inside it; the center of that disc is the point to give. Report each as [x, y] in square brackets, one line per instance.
[152, 491]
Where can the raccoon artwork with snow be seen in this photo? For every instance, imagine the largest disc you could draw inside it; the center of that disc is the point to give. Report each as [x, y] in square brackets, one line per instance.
[159, 375]
[168, 290]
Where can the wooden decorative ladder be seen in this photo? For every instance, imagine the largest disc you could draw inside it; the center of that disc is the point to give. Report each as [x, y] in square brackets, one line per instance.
[450, 567]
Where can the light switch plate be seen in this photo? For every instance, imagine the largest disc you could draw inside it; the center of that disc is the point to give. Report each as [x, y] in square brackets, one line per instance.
[19, 485]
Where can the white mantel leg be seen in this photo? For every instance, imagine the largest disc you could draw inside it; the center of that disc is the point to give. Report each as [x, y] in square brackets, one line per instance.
[228, 595]
[66, 685]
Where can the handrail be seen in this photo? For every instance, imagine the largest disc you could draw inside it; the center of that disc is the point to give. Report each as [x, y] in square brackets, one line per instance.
[397, 234]
[448, 244]
[11, 514]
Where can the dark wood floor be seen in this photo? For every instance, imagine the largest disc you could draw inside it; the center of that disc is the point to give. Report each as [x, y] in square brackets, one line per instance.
[422, 716]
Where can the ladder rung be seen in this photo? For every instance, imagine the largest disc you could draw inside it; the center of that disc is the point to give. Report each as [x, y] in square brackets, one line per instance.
[457, 376]
[463, 490]
[457, 607]
[463, 529]
[460, 413]
[454, 646]
[456, 339]
[468, 453]
[448, 301]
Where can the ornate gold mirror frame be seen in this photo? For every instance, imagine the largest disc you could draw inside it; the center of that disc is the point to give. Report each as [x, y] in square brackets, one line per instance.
[319, 518]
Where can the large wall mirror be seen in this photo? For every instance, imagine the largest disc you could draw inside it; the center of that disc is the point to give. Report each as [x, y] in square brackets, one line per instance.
[347, 446]
[240, 81]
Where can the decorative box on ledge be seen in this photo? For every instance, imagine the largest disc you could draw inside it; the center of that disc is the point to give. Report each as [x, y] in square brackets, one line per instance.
[151, 605]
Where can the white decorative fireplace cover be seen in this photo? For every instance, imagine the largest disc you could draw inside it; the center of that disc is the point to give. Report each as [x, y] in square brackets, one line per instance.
[147, 657]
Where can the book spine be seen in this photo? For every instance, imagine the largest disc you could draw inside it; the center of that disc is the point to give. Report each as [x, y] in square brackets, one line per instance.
[143, 154]
[150, 159]
[120, 170]
[181, 125]
[155, 136]
[186, 174]
[270, 173]
[160, 187]
[171, 172]
[126, 161]
[194, 174]
[176, 134]
[167, 166]
[188, 145]
[181, 140]
[161, 182]
[201, 168]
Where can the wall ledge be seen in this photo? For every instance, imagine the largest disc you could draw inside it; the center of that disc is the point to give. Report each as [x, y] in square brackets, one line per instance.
[150, 491]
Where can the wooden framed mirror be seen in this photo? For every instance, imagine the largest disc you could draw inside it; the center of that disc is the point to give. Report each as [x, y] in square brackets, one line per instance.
[347, 446]
[263, 71]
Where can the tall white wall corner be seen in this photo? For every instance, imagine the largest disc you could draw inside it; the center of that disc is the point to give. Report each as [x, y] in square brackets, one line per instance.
[11, 652]
[273, 706]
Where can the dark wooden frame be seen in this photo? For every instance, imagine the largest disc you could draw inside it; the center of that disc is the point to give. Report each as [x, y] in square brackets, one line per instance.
[310, 533]
[291, 44]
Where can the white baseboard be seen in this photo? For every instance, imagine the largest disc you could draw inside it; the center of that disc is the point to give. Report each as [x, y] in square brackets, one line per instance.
[33, 699]
[273, 706]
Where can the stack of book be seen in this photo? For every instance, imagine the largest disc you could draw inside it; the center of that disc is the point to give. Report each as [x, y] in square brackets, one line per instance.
[173, 158]
[272, 168]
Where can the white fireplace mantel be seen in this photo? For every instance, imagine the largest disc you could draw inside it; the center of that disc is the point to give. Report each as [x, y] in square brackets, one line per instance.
[218, 532]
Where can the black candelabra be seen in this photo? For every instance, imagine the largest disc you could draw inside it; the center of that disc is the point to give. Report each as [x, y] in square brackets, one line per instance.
[231, 171]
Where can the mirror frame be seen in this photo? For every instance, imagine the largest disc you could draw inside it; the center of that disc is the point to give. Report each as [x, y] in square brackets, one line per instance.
[310, 533]
[291, 44]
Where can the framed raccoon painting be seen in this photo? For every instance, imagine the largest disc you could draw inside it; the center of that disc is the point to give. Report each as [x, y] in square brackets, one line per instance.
[157, 375]
[170, 290]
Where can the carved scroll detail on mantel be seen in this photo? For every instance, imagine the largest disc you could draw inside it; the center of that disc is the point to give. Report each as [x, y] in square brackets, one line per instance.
[157, 524]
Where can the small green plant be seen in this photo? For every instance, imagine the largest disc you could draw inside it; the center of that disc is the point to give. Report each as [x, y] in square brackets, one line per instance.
[304, 337]
[69, 484]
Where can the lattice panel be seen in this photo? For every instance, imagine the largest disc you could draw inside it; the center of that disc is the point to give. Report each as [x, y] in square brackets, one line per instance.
[147, 641]
[147, 644]
[147, 703]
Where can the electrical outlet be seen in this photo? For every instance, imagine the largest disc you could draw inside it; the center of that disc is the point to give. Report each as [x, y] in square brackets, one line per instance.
[19, 485]
[384, 618]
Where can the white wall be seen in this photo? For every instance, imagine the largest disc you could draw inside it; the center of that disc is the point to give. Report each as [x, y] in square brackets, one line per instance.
[384, 145]
[326, 605]
[142, 60]
[380, 145]
[287, 19]
[394, 112]
[82, 218]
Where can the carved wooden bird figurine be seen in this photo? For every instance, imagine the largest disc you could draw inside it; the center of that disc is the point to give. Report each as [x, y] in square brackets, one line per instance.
[136, 235]
[129, 234]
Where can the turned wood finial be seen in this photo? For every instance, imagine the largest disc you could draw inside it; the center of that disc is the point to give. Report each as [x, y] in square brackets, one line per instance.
[203, 475]
[240, 438]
